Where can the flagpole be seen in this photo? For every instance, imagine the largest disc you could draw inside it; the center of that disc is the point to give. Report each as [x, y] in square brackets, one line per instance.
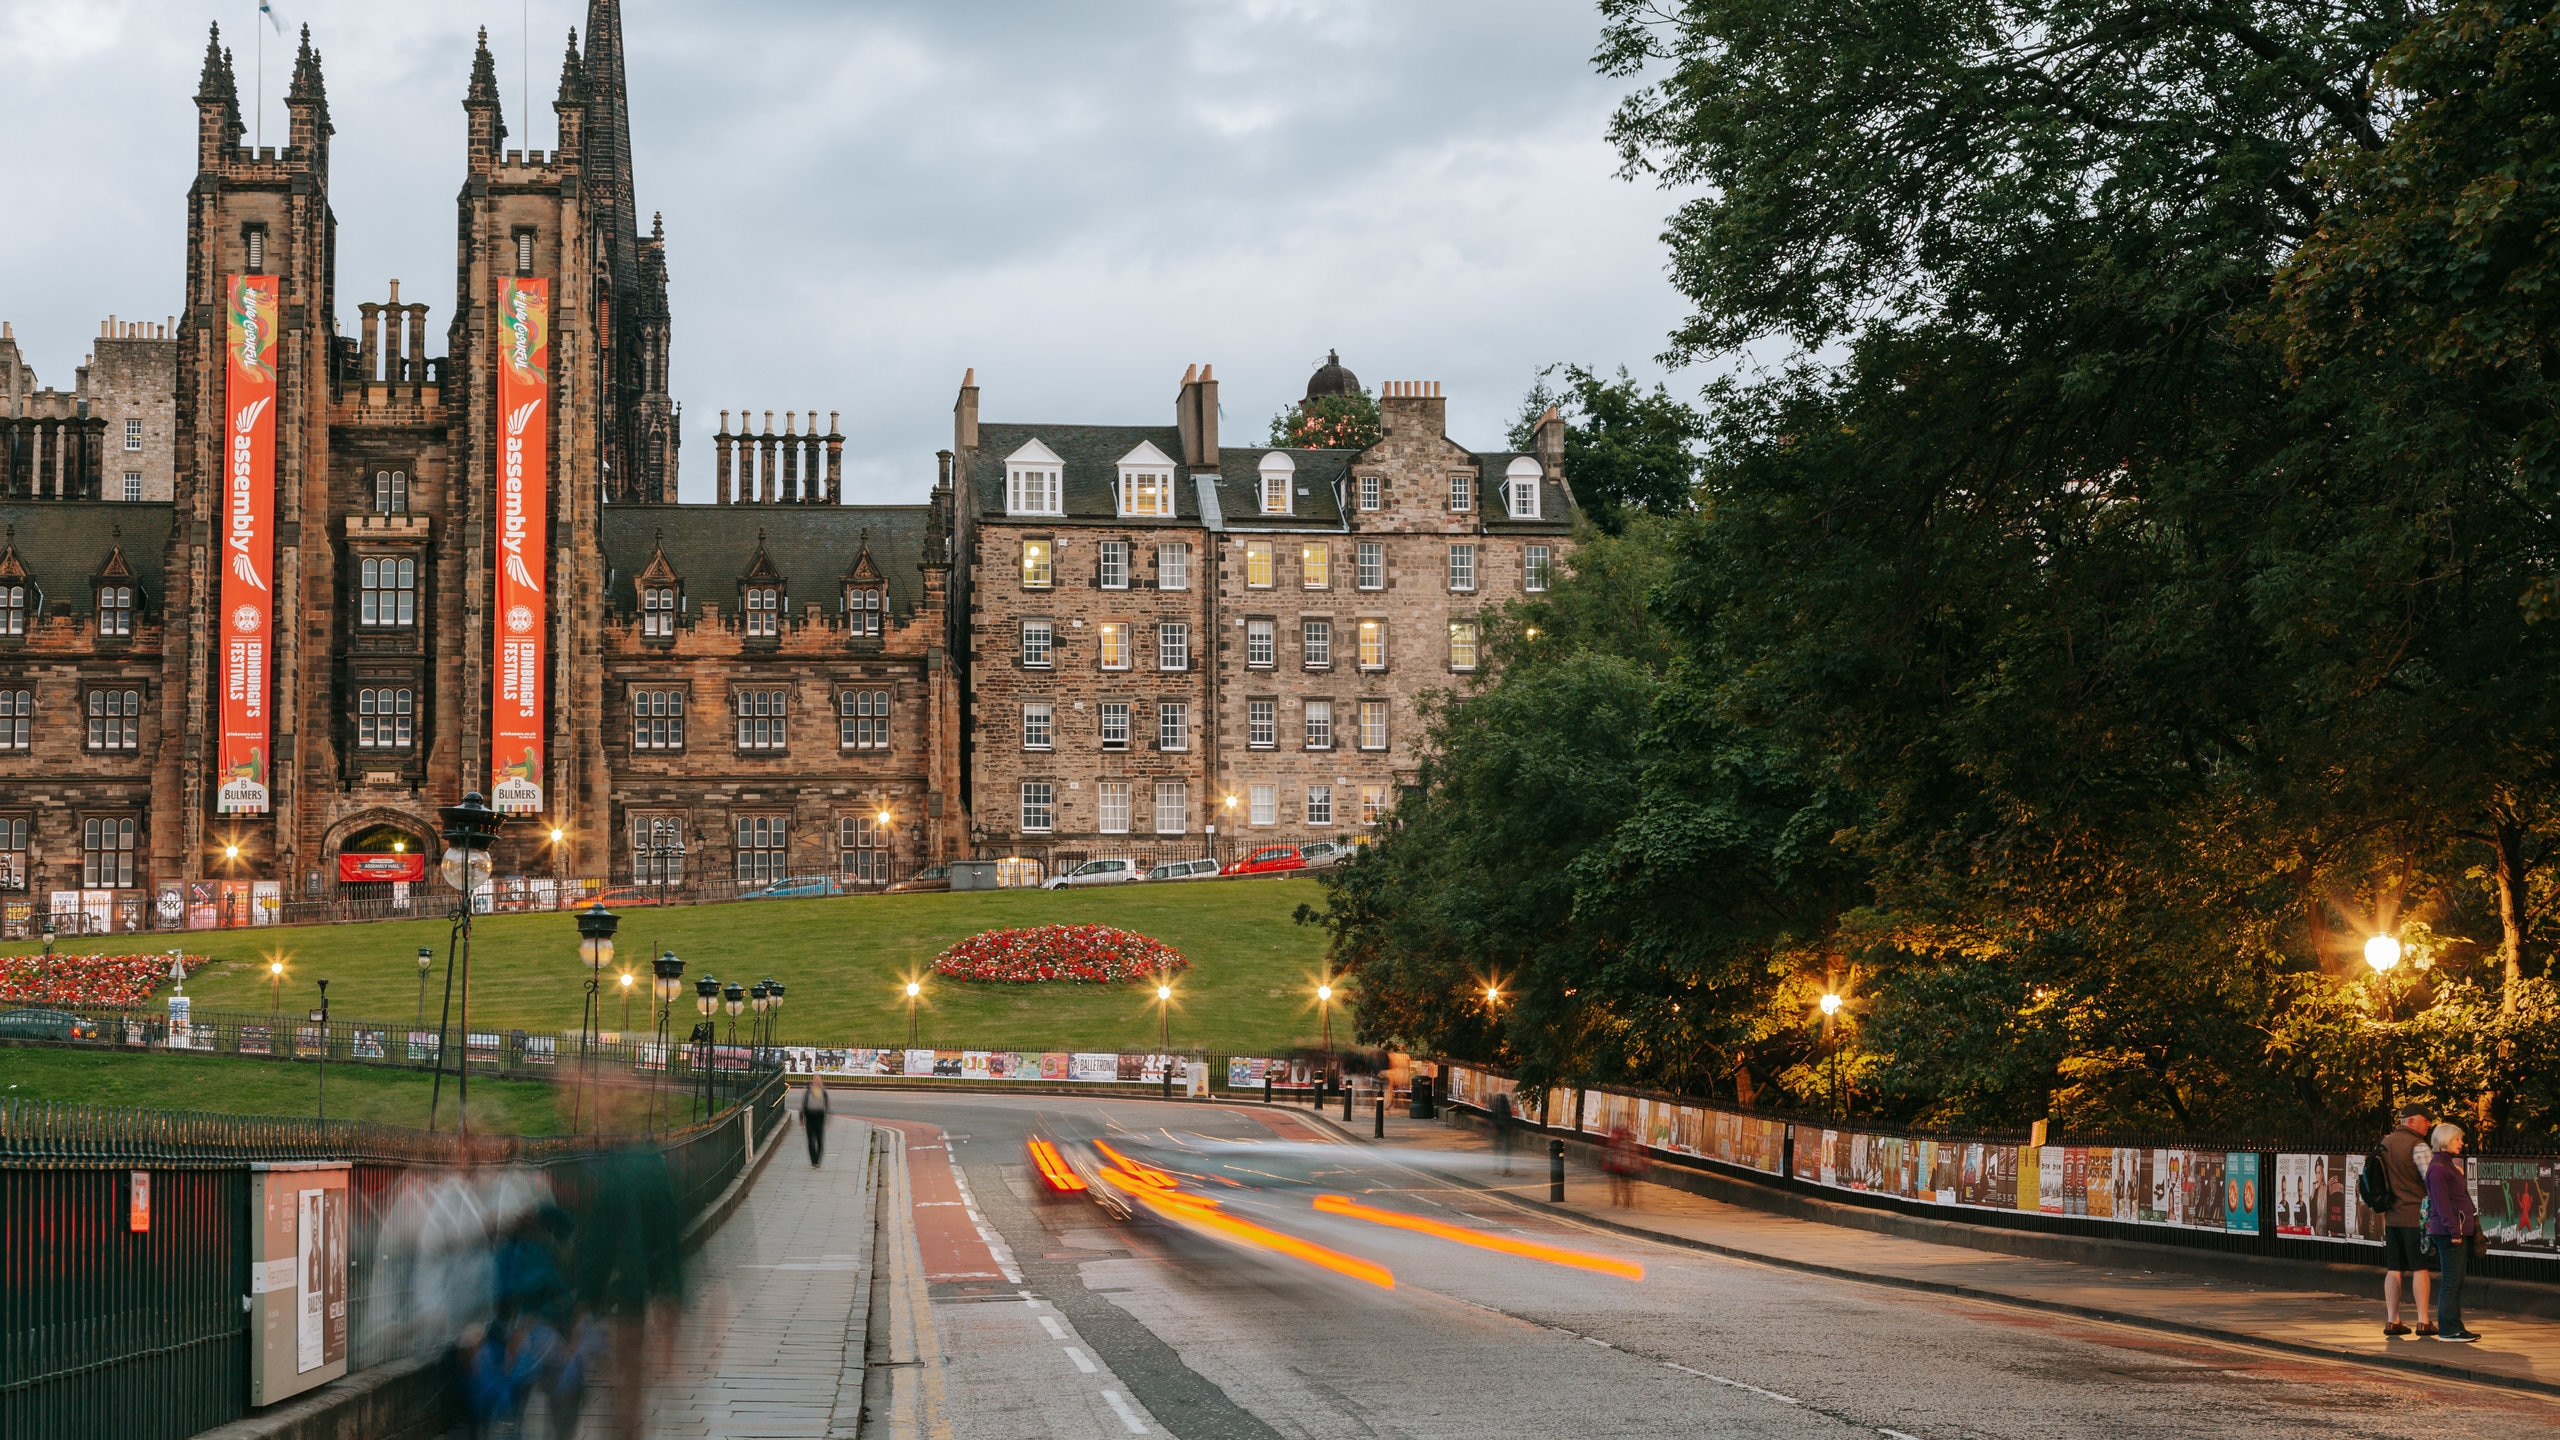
[259, 138]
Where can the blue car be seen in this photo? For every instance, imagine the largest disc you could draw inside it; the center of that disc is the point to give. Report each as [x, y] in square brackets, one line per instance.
[796, 887]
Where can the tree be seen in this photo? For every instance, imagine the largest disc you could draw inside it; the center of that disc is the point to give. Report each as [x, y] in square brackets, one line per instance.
[1625, 449]
[1348, 421]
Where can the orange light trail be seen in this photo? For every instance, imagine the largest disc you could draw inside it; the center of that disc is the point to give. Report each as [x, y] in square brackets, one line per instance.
[1202, 1213]
[1526, 1249]
[1145, 1174]
[1053, 1167]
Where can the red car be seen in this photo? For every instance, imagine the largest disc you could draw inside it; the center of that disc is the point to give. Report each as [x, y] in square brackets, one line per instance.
[1269, 860]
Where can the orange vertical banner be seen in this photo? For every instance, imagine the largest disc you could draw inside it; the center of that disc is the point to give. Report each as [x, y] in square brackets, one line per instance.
[524, 530]
[248, 544]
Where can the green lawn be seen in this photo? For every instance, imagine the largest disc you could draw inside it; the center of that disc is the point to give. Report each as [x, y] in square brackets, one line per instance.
[270, 1087]
[1251, 989]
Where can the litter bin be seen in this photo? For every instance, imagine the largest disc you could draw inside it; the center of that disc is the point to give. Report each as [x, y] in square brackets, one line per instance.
[1418, 1098]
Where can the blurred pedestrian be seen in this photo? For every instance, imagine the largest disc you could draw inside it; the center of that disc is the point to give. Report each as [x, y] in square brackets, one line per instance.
[2403, 1232]
[1498, 1113]
[813, 1120]
[2453, 1223]
[1624, 1162]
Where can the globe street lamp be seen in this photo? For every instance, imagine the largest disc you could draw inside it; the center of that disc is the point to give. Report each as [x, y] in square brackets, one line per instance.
[1164, 1032]
[625, 1031]
[734, 997]
[1324, 1003]
[759, 999]
[913, 990]
[596, 925]
[323, 1016]
[469, 828]
[776, 987]
[275, 992]
[1830, 1032]
[426, 961]
[2382, 952]
[666, 986]
[706, 1003]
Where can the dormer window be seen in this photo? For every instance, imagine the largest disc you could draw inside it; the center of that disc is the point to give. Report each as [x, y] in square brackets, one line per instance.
[862, 609]
[764, 610]
[13, 609]
[1034, 483]
[1520, 486]
[1146, 482]
[658, 612]
[115, 610]
[1278, 472]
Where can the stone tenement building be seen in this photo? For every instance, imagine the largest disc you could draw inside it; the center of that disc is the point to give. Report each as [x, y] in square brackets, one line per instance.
[1168, 635]
[270, 593]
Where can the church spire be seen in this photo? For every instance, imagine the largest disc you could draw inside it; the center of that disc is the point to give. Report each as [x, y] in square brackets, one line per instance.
[488, 125]
[218, 87]
[608, 132]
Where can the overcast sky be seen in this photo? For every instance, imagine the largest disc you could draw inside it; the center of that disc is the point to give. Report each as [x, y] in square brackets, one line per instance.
[862, 200]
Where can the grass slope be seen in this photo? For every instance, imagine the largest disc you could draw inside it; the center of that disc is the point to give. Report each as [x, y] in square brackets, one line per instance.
[846, 959]
[270, 1087]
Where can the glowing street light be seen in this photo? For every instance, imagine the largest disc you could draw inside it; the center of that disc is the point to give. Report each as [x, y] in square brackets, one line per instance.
[2382, 952]
[275, 972]
[1324, 1004]
[913, 990]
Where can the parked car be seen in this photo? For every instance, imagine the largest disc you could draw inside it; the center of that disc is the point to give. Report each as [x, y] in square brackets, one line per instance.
[795, 887]
[931, 877]
[1095, 872]
[1185, 870]
[1269, 860]
[622, 897]
[46, 1025]
[1325, 854]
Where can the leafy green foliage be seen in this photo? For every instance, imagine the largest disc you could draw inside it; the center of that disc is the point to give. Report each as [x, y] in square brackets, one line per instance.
[1626, 449]
[1330, 422]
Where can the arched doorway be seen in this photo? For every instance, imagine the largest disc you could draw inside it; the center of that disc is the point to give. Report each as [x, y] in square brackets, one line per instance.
[381, 865]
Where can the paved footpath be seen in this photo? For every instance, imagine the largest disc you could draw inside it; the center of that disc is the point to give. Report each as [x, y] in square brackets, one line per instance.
[2518, 1350]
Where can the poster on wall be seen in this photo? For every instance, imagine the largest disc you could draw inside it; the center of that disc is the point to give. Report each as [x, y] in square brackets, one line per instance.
[2240, 1192]
[2515, 1204]
[248, 543]
[524, 534]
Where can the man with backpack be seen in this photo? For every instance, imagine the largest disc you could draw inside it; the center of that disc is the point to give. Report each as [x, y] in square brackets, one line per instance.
[2399, 1190]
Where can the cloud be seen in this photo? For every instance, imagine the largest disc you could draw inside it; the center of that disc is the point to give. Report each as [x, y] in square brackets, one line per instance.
[861, 201]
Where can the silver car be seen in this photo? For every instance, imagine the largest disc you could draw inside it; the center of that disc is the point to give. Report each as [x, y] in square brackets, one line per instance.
[1324, 854]
[1095, 872]
[1185, 870]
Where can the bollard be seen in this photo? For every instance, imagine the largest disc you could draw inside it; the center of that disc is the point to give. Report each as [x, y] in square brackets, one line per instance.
[1266, 1087]
[1346, 1104]
[1381, 1131]
[1555, 1171]
[1168, 1080]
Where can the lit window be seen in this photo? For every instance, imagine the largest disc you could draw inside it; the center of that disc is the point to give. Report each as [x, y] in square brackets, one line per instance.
[1262, 724]
[1372, 566]
[1319, 804]
[1111, 562]
[1373, 724]
[106, 853]
[1115, 724]
[1277, 472]
[1034, 491]
[383, 719]
[115, 610]
[1257, 564]
[1373, 644]
[1112, 806]
[1173, 567]
[764, 610]
[657, 719]
[1173, 725]
[1036, 733]
[1520, 488]
[390, 492]
[1462, 492]
[115, 719]
[1114, 635]
[862, 612]
[761, 719]
[1039, 807]
[1263, 804]
[1372, 492]
[1462, 567]
[764, 848]
[1319, 724]
[13, 852]
[387, 592]
[1173, 807]
[17, 718]
[1462, 644]
[133, 434]
[862, 719]
[1173, 645]
[1039, 642]
[1259, 646]
[658, 612]
[1036, 567]
[1146, 492]
[1315, 565]
[1373, 803]
[1533, 568]
[1316, 643]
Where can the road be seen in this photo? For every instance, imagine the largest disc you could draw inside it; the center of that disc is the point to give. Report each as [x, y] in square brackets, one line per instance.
[1055, 1317]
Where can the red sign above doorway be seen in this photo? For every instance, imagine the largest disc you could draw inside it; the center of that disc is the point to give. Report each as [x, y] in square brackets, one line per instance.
[366, 869]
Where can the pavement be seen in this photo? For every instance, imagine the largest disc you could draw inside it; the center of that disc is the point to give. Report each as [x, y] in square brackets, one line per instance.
[2518, 1350]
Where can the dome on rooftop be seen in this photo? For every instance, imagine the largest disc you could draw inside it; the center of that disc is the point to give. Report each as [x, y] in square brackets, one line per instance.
[1331, 379]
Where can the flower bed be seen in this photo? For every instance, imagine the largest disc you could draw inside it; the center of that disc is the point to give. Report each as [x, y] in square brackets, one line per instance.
[1079, 954]
[86, 980]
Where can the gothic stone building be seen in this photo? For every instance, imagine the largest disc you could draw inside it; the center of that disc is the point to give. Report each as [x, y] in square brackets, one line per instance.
[1090, 639]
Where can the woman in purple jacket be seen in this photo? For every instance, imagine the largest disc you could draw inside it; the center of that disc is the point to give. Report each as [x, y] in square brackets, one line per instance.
[2451, 1219]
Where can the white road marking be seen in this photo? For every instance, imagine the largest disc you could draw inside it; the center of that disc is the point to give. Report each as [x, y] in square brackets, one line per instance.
[1736, 1384]
[1603, 1344]
[1082, 1363]
[1050, 1324]
[1128, 1416]
[1894, 1434]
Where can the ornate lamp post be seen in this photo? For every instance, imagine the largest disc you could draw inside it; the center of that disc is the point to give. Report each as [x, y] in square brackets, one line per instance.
[759, 999]
[1324, 1003]
[776, 987]
[666, 986]
[426, 962]
[323, 1017]
[596, 925]
[469, 829]
[1831, 1033]
[1164, 1031]
[625, 1032]
[706, 1003]
[733, 998]
[275, 988]
[913, 990]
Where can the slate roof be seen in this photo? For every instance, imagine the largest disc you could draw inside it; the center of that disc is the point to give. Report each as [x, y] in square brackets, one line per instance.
[65, 543]
[813, 546]
[1555, 509]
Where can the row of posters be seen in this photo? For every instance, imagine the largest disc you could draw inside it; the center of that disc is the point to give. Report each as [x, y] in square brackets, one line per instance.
[1754, 1142]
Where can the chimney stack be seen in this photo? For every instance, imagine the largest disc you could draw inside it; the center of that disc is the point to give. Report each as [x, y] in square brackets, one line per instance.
[1549, 443]
[1414, 408]
[1195, 416]
[964, 413]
